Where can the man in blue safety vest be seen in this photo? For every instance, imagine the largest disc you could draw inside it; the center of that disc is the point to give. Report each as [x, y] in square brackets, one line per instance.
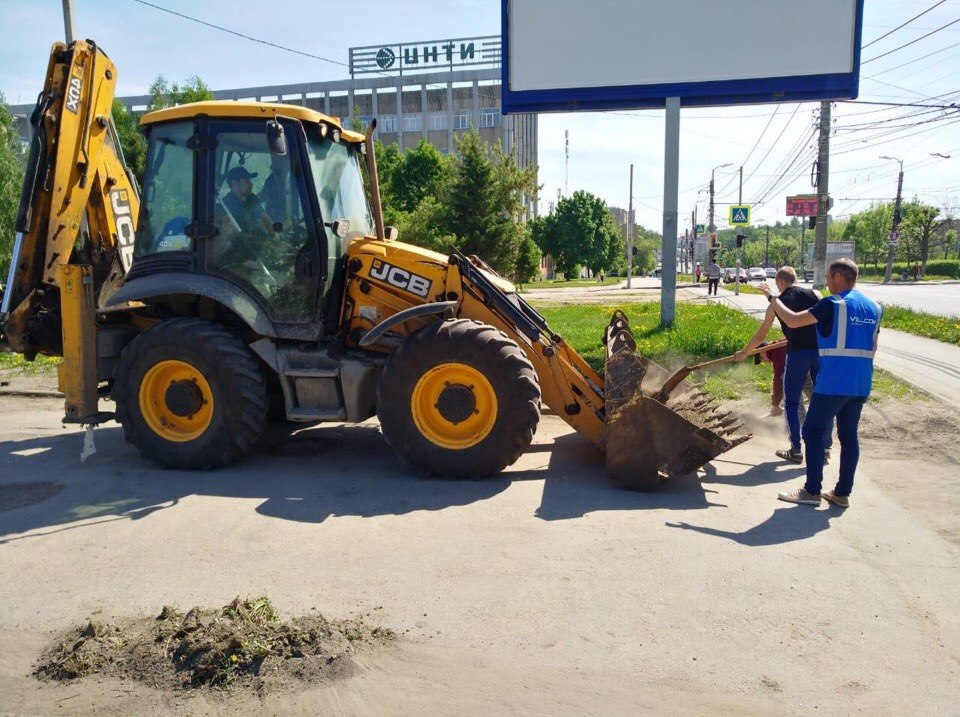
[848, 326]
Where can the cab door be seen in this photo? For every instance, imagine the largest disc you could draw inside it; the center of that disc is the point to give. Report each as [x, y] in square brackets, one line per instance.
[265, 237]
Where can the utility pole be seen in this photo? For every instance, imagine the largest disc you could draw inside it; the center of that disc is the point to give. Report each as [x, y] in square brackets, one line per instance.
[736, 284]
[693, 257]
[823, 197]
[803, 231]
[566, 167]
[712, 227]
[766, 250]
[630, 234]
[68, 20]
[891, 240]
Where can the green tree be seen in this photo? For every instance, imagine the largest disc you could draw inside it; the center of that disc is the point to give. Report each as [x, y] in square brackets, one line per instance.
[475, 207]
[425, 226]
[389, 158]
[870, 230]
[784, 252]
[421, 172]
[918, 226]
[580, 232]
[12, 163]
[164, 94]
[132, 142]
[528, 260]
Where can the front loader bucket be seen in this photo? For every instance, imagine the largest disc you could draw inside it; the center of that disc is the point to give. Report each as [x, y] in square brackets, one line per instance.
[645, 439]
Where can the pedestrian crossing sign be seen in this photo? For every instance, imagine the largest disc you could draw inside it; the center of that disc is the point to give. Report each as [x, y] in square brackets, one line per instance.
[740, 215]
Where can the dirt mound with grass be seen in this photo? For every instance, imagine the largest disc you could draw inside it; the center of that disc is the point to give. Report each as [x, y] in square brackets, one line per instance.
[242, 645]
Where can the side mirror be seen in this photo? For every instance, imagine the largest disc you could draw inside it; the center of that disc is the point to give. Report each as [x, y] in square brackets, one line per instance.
[391, 233]
[276, 138]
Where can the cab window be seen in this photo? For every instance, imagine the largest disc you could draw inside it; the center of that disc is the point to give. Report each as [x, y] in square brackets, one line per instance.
[168, 191]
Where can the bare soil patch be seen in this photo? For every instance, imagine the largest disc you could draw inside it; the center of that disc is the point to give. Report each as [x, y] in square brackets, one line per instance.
[241, 646]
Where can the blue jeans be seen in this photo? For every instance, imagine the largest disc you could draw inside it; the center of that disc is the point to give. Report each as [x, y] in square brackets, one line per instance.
[800, 364]
[823, 409]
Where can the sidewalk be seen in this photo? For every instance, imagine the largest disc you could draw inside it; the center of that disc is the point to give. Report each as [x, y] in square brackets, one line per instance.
[930, 365]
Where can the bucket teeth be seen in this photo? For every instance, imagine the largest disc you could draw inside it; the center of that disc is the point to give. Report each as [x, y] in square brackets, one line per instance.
[645, 439]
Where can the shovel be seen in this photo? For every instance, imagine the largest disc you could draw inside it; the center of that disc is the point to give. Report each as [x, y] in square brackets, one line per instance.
[675, 380]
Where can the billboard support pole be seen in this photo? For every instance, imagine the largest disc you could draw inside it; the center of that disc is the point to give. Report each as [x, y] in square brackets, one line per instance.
[671, 191]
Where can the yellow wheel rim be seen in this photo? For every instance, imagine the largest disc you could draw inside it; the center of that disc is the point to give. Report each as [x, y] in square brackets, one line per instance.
[454, 406]
[176, 401]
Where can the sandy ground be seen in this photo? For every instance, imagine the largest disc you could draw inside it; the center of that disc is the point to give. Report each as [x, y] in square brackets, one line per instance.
[548, 590]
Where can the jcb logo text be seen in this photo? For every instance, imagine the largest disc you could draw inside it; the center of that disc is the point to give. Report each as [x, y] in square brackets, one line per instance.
[125, 229]
[396, 276]
[74, 90]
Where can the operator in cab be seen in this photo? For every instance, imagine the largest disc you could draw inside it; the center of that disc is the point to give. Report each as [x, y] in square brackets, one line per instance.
[243, 205]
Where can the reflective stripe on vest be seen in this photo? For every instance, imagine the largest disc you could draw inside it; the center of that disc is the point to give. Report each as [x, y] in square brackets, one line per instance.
[841, 330]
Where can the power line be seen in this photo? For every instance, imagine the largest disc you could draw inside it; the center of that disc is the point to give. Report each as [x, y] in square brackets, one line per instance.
[898, 27]
[898, 104]
[752, 149]
[917, 59]
[906, 44]
[240, 34]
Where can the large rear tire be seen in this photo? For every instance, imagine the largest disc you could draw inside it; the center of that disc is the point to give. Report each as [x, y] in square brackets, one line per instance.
[190, 395]
[458, 399]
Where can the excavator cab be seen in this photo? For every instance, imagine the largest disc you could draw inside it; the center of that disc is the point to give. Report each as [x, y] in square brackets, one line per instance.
[254, 207]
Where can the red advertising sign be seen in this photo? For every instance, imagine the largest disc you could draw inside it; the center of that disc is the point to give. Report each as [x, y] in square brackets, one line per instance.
[803, 205]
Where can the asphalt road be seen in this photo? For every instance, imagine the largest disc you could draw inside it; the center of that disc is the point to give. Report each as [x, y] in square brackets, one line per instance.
[548, 590]
[942, 299]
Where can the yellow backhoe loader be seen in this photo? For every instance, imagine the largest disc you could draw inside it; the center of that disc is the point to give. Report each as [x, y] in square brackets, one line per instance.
[204, 306]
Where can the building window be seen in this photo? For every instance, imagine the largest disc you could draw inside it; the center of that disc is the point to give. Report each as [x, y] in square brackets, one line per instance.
[437, 120]
[413, 123]
[461, 120]
[388, 124]
[490, 118]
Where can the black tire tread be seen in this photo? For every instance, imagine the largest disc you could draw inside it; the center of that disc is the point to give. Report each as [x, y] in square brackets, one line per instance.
[512, 434]
[233, 374]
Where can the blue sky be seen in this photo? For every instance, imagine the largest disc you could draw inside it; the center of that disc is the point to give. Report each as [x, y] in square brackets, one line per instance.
[144, 41]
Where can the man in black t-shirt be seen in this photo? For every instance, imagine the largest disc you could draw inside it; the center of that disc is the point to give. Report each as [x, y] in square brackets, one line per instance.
[803, 358]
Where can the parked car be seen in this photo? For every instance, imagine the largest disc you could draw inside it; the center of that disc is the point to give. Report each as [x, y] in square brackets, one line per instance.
[756, 273]
[730, 274]
[770, 272]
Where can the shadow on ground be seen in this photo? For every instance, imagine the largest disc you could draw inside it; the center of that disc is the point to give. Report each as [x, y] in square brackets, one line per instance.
[785, 525]
[308, 477]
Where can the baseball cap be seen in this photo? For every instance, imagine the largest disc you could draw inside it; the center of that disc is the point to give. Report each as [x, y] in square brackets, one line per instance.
[239, 173]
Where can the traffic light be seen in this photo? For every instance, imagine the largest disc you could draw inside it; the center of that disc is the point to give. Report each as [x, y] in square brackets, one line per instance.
[740, 238]
[813, 222]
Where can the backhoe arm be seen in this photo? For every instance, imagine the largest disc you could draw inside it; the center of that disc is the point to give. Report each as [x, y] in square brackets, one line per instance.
[79, 202]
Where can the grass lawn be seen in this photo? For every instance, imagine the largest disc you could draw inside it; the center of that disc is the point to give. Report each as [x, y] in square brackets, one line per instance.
[14, 362]
[749, 288]
[700, 333]
[564, 284]
[941, 328]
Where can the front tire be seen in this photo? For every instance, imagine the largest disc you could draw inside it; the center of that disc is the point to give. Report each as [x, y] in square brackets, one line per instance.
[458, 399]
[190, 395]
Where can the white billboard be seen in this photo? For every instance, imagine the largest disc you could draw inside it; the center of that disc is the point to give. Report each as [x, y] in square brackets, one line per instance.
[604, 54]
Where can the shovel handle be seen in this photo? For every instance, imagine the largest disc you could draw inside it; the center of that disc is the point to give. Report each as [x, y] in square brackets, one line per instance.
[731, 357]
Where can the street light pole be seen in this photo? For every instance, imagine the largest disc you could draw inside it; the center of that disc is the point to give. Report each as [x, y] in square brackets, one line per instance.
[766, 250]
[891, 241]
[712, 227]
[736, 285]
[68, 20]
